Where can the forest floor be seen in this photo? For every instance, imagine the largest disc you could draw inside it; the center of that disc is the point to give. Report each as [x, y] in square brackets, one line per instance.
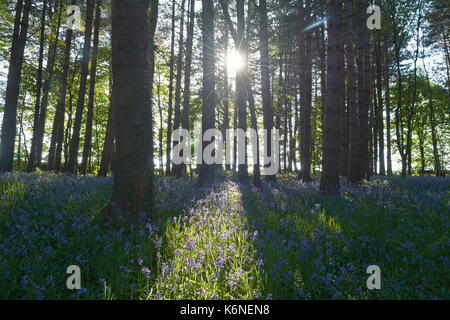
[285, 241]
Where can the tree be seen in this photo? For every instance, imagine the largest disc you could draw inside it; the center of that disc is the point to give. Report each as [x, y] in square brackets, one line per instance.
[209, 83]
[265, 81]
[37, 105]
[91, 99]
[364, 91]
[71, 165]
[171, 78]
[12, 88]
[306, 96]
[353, 174]
[330, 166]
[133, 188]
[56, 143]
[179, 170]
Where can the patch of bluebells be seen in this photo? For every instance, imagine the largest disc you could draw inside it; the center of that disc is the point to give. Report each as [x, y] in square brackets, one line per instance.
[230, 241]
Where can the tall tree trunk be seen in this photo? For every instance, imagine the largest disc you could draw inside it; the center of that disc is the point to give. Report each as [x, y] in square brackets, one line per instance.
[19, 147]
[133, 188]
[177, 116]
[72, 164]
[388, 109]
[240, 89]
[38, 135]
[226, 98]
[364, 100]
[209, 83]
[8, 135]
[330, 166]
[181, 169]
[91, 99]
[108, 146]
[171, 78]
[374, 131]
[160, 110]
[56, 142]
[437, 162]
[37, 106]
[378, 55]
[306, 93]
[398, 110]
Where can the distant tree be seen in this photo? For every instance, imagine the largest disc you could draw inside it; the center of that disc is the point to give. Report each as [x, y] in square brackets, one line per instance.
[72, 164]
[91, 99]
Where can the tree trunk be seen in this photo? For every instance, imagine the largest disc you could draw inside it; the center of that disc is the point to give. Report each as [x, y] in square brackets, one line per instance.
[306, 94]
[8, 135]
[72, 164]
[177, 116]
[378, 55]
[133, 188]
[91, 98]
[171, 78]
[363, 92]
[56, 142]
[108, 146]
[388, 109]
[330, 166]
[38, 134]
[181, 169]
[209, 82]
[37, 106]
[226, 98]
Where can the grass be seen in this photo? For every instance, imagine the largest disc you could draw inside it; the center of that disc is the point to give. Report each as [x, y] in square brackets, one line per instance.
[284, 241]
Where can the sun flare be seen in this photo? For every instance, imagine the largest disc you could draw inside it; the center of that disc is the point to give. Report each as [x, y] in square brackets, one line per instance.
[235, 62]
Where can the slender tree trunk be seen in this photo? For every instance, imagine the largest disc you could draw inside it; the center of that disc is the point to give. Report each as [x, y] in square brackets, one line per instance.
[56, 142]
[91, 99]
[363, 93]
[133, 188]
[388, 109]
[37, 106]
[177, 116]
[72, 164]
[158, 93]
[171, 78]
[306, 96]
[240, 89]
[226, 98]
[378, 56]
[8, 135]
[437, 163]
[181, 169]
[209, 83]
[374, 131]
[38, 135]
[108, 146]
[330, 166]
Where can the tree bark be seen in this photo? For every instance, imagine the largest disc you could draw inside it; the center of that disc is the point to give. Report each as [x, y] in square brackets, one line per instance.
[206, 175]
[133, 188]
[329, 181]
